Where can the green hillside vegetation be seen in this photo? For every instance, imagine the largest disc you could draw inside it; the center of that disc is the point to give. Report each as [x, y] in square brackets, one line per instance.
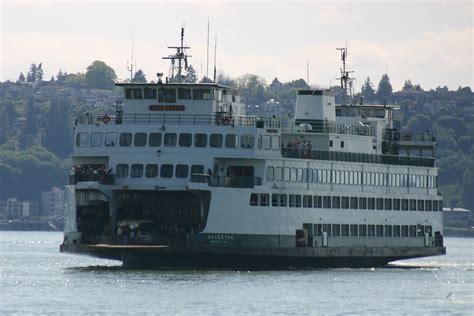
[36, 122]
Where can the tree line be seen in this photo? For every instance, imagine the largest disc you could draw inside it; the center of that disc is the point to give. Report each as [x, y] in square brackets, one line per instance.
[36, 124]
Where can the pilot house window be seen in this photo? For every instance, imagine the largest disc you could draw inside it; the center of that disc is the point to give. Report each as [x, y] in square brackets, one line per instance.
[150, 93]
[167, 95]
[133, 94]
[137, 93]
[184, 94]
[201, 94]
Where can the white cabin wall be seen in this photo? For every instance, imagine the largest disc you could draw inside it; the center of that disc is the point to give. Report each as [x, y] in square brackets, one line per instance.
[318, 107]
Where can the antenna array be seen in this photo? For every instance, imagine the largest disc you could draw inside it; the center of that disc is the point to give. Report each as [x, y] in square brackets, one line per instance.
[176, 70]
[346, 80]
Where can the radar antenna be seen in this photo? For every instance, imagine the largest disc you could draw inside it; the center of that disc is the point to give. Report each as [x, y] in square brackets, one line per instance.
[176, 71]
[346, 80]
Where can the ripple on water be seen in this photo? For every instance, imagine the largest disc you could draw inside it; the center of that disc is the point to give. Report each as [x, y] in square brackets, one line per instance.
[36, 279]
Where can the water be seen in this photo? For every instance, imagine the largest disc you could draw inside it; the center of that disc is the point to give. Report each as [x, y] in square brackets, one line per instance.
[36, 279]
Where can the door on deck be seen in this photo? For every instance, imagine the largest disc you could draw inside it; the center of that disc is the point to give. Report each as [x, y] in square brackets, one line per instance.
[309, 229]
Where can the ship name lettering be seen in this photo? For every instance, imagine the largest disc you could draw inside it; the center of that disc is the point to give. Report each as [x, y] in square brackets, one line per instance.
[154, 107]
[220, 237]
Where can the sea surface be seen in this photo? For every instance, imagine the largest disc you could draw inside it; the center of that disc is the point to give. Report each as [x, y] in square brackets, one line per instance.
[36, 279]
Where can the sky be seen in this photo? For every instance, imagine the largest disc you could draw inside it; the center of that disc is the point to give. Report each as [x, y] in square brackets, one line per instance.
[428, 42]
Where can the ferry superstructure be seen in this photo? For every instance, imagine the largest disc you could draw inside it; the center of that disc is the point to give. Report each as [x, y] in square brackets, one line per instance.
[180, 176]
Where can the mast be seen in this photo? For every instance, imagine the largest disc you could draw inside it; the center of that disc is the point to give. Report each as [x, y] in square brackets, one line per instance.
[182, 59]
[215, 58]
[130, 65]
[207, 64]
[346, 80]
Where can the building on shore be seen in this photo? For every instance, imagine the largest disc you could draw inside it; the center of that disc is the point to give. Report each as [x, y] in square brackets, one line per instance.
[52, 202]
[12, 208]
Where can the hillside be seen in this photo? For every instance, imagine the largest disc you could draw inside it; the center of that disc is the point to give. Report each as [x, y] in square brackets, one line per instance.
[36, 126]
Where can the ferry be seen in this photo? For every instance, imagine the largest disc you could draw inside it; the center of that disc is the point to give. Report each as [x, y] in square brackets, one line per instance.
[180, 176]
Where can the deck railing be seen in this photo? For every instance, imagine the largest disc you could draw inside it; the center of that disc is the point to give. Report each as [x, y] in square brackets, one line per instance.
[357, 157]
[331, 127]
[396, 135]
[178, 119]
[227, 181]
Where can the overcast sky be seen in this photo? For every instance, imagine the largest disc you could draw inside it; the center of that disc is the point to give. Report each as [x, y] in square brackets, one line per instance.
[429, 42]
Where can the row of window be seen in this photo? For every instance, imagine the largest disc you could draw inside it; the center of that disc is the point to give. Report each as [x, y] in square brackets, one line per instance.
[344, 202]
[152, 170]
[362, 230]
[168, 95]
[267, 142]
[309, 175]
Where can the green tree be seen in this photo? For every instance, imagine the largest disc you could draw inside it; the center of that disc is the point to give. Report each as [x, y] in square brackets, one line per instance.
[29, 132]
[58, 134]
[4, 125]
[275, 86]
[25, 173]
[100, 76]
[419, 123]
[407, 86]
[78, 79]
[9, 107]
[465, 143]
[60, 76]
[384, 91]
[252, 89]
[39, 72]
[21, 78]
[205, 80]
[139, 76]
[368, 92]
[31, 76]
[190, 76]
[226, 81]
[454, 123]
